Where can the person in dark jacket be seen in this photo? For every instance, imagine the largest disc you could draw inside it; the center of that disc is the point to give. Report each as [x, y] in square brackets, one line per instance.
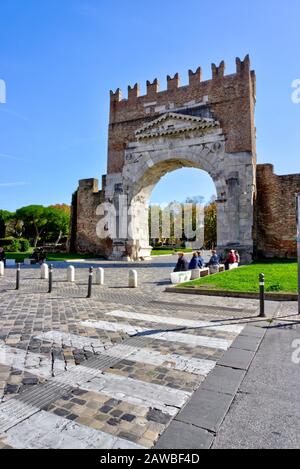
[194, 262]
[214, 260]
[201, 262]
[182, 263]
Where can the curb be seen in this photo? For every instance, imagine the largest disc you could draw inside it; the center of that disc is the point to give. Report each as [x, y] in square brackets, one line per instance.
[249, 295]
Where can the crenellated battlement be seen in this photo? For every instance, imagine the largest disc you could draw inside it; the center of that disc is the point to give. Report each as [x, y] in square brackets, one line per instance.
[195, 77]
[174, 83]
[229, 98]
[243, 66]
[218, 72]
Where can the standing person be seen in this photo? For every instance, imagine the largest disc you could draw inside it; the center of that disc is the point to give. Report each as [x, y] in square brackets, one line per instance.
[194, 262]
[182, 263]
[214, 260]
[2, 256]
[201, 262]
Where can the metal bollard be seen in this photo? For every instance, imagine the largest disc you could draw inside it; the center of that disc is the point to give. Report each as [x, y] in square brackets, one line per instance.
[100, 276]
[50, 278]
[18, 276]
[133, 279]
[44, 272]
[262, 296]
[91, 273]
[71, 274]
[1, 269]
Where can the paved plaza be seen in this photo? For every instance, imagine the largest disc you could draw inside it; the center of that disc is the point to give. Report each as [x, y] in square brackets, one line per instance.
[128, 368]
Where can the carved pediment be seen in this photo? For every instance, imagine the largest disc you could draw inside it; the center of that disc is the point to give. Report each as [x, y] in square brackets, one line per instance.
[173, 124]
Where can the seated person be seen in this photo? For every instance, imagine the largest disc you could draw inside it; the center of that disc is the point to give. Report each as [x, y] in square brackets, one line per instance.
[238, 257]
[194, 262]
[201, 262]
[214, 260]
[182, 263]
[231, 259]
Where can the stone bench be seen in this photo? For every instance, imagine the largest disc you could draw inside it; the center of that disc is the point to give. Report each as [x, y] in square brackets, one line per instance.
[233, 266]
[199, 273]
[215, 269]
[181, 277]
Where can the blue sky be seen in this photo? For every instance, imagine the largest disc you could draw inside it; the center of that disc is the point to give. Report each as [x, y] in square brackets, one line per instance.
[60, 58]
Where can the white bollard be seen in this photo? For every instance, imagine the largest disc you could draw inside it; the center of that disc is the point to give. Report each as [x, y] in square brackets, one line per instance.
[133, 279]
[44, 271]
[1, 269]
[71, 274]
[100, 276]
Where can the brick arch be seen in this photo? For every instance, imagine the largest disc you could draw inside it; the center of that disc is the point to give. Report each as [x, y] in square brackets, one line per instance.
[206, 124]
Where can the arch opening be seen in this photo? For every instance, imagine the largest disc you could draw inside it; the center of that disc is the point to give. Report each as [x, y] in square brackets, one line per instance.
[190, 203]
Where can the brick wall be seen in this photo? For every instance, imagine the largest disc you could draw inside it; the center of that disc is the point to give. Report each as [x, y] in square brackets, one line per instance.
[83, 234]
[275, 213]
[228, 98]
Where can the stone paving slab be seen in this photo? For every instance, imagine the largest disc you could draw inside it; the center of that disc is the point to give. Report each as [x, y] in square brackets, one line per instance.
[184, 436]
[247, 343]
[206, 409]
[237, 358]
[224, 380]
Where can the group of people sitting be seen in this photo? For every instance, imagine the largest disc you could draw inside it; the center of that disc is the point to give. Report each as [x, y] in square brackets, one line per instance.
[183, 265]
[197, 261]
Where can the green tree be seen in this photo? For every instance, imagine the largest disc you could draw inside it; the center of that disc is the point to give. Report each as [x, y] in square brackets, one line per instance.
[34, 218]
[5, 217]
[58, 222]
[210, 225]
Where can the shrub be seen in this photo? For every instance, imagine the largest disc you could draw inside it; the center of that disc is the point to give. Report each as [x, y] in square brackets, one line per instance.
[6, 241]
[24, 245]
[14, 246]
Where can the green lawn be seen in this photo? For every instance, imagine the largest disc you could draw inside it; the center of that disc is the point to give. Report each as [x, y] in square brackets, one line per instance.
[64, 256]
[280, 276]
[163, 252]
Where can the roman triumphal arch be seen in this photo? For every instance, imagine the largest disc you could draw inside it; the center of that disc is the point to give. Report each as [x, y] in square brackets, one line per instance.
[175, 141]
[207, 125]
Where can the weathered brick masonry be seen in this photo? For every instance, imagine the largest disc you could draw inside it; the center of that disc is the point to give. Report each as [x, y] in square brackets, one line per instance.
[164, 130]
[229, 99]
[275, 209]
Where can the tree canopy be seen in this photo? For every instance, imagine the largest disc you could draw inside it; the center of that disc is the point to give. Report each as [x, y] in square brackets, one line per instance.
[36, 223]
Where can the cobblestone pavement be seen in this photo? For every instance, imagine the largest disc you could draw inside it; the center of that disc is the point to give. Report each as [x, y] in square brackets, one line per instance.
[107, 372]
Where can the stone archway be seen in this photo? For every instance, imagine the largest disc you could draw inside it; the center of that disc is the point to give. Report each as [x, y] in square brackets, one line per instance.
[205, 124]
[175, 141]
